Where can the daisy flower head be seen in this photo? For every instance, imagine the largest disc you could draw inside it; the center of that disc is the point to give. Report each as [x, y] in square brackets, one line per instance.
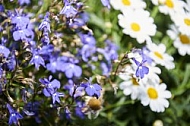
[155, 96]
[138, 24]
[181, 41]
[169, 6]
[129, 85]
[157, 53]
[182, 21]
[125, 4]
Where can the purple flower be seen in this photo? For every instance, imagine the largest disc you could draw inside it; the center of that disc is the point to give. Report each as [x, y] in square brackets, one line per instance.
[22, 34]
[71, 69]
[37, 60]
[68, 10]
[22, 2]
[50, 86]
[92, 89]
[87, 52]
[45, 25]
[4, 52]
[55, 97]
[20, 21]
[106, 68]
[79, 109]
[87, 39]
[74, 91]
[141, 69]
[106, 3]
[14, 115]
[2, 9]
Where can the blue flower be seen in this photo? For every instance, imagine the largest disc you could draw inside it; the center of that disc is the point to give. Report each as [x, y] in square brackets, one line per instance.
[22, 2]
[71, 69]
[74, 90]
[22, 34]
[87, 39]
[68, 10]
[4, 51]
[14, 115]
[106, 3]
[37, 60]
[20, 21]
[92, 89]
[50, 86]
[55, 97]
[141, 69]
[45, 25]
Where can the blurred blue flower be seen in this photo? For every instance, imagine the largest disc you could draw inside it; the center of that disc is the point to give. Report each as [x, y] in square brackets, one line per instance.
[87, 39]
[71, 69]
[14, 115]
[22, 2]
[106, 3]
[73, 89]
[55, 97]
[4, 51]
[92, 89]
[68, 10]
[45, 25]
[22, 34]
[2, 9]
[79, 109]
[20, 22]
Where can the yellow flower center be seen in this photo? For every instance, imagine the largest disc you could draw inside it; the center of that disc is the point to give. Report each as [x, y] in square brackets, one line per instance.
[187, 21]
[152, 93]
[169, 3]
[135, 27]
[94, 104]
[157, 54]
[134, 81]
[126, 2]
[184, 39]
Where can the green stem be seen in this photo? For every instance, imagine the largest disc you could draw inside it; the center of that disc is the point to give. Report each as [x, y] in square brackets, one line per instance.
[154, 12]
[119, 104]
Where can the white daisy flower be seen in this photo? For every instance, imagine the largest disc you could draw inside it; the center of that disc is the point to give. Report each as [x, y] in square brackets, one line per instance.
[181, 41]
[182, 20]
[157, 53]
[169, 6]
[125, 4]
[155, 95]
[138, 24]
[130, 85]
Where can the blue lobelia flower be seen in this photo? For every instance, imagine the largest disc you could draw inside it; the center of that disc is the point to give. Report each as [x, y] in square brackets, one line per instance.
[22, 2]
[4, 51]
[56, 95]
[45, 25]
[79, 109]
[36, 59]
[73, 89]
[20, 22]
[50, 86]
[71, 69]
[141, 69]
[14, 115]
[106, 3]
[92, 89]
[68, 10]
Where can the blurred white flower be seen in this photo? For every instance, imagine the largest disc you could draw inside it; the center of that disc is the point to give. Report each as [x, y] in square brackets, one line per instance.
[181, 41]
[125, 4]
[155, 95]
[169, 6]
[157, 53]
[130, 85]
[182, 21]
[138, 24]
